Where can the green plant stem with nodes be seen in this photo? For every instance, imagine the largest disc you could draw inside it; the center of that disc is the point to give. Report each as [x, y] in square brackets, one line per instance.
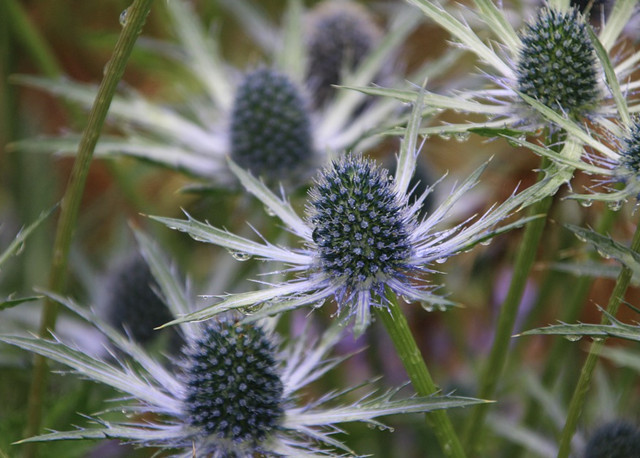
[136, 16]
[577, 400]
[508, 313]
[560, 348]
[396, 325]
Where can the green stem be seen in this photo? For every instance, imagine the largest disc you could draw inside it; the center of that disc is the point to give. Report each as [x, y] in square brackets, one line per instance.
[137, 14]
[508, 313]
[560, 348]
[579, 394]
[409, 353]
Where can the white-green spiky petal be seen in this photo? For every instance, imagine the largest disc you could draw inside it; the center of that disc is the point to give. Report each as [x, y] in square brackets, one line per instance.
[204, 232]
[346, 101]
[291, 55]
[254, 23]
[615, 329]
[370, 409]
[124, 343]
[618, 18]
[204, 56]
[125, 380]
[250, 299]
[570, 126]
[409, 150]
[435, 100]
[112, 431]
[177, 298]
[280, 207]
[611, 78]
[497, 21]
[465, 35]
[18, 241]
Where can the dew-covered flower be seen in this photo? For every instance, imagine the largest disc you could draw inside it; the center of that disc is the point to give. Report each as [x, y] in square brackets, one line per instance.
[235, 391]
[556, 60]
[360, 236]
[208, 122]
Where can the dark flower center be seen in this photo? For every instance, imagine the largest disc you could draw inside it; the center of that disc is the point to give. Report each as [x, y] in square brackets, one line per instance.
[358, 222]
[270, 126]
[233, 388]
[557, 63]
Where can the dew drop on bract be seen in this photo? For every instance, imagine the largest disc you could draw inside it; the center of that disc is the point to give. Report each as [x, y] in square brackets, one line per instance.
[573, 338]
[444, 136]
[614, 206]
[486, 242]
[269, 211]
[123, 17]
[462, 136]
[427, 307]
[240, 255]
[441, 260]
[586, 202]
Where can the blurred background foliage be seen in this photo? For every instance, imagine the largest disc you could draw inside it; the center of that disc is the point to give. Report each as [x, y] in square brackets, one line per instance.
[74, 39]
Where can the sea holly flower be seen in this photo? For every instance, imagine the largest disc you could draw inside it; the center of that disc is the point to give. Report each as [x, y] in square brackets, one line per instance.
[556, 60]
[195, 135]
[234, 391]
[615, 439]
[360, 236]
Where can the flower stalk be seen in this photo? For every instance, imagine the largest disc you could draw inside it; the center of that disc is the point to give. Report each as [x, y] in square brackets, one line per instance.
[580, 392]
[396, 325]
[135, 18]
[508, 313]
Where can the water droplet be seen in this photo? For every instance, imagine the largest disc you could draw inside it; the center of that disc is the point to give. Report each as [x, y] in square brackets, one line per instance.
[573, 338]
[603, 253]
[486, 242]
[240, 255]
[598, 339]
[441, 260]
[444, 136]
[252, 309]
[123, 17]
[586, 202]
[614, 206]
[581, 238]
[462, 136]
[442, 307]
[269, 211]
[371, 426]
[427, 307]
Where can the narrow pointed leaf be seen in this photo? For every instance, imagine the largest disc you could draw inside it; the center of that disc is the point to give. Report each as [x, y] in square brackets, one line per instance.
[19, 240]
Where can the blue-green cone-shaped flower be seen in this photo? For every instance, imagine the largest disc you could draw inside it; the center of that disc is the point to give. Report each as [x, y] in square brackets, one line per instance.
[617, 439]
[360, 225]
[341, 35]
[270, 127]
[557, 63]
[132, 305]
[233, 390]
[630, 151]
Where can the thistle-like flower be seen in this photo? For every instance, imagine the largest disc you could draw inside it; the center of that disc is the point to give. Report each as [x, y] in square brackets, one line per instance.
[361, 235]
[131, 303]
[341, 35]
[234, 392]
[271, 127]
[196, 136]
[616, 439]
[556, 60]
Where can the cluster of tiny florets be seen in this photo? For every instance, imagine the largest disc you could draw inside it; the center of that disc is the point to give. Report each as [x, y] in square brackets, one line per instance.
[360, 227]
[341, 35]
[270, 126]
[617, 439]
[233, 389]
[557, 63]
[132, 305]
[630, 150]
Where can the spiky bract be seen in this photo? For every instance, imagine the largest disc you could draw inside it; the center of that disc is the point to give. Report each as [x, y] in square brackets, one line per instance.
[270, 126]
[630, 151]
[557, 63]
[358, 223]
[233, 390]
